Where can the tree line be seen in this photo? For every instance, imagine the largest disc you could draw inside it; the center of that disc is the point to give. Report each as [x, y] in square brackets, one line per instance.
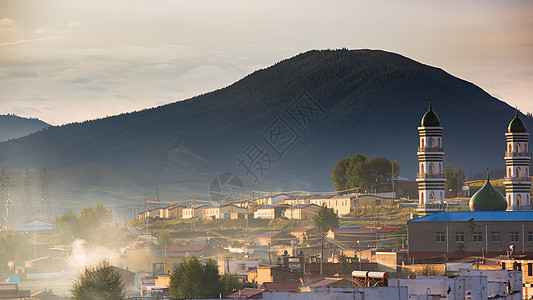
[362, 173]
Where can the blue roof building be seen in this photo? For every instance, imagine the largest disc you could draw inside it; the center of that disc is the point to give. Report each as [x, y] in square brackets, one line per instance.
[448, 235]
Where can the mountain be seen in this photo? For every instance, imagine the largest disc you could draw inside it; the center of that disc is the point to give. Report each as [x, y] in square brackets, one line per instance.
[12, 127]
[294, 120]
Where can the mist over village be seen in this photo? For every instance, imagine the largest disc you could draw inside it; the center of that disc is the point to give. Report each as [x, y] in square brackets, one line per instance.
[266, 150]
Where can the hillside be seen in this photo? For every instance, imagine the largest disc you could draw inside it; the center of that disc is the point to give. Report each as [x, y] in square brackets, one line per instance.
[12, 127]
[367, 101]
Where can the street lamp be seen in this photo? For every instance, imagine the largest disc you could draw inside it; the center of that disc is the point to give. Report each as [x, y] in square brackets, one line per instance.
[359, 254]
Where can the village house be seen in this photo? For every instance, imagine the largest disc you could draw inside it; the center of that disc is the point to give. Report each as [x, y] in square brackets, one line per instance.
[221, 211]
[355, 237]
[271, 200]
[298, 199]
[372, 200]
[320, 199]
[270, 212]
[341, 204]
[264, 274]
[150, 214]
[305, 233]
[271, 238]
[385, 236]
[237, 266]
[173, 211]
[301, 211]
[190, 212]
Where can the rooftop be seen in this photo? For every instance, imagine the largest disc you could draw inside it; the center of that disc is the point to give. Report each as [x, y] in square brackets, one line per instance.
[387, 229]
[183, 248]
[304, 228]
[478, 216]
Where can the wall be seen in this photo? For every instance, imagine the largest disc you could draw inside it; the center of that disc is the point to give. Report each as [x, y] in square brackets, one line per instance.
[421, 237]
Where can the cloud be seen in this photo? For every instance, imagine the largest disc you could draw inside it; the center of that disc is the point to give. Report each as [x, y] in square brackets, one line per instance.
[23, 73]
[9, 31]
[56, 30]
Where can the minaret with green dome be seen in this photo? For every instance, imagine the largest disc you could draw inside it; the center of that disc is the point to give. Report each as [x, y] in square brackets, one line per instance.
[517, 180]
[430, 175]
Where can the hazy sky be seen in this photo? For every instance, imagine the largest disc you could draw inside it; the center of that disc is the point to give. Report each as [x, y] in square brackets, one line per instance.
[67, 61]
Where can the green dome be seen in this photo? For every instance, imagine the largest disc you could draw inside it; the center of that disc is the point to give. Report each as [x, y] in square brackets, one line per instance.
[516, 125]
[430, 119]
[488, 199]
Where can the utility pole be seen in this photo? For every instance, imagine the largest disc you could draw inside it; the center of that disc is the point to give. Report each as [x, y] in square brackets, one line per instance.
[3, 195]
[392, 178]
[156, 194]
[145, 213]
[193, 215]
[321, 253]
[9, 214]
[45, 200]
[26, 197]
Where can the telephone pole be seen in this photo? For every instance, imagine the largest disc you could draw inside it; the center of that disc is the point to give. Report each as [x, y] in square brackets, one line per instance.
[156, 195]
[45, 200]
[9, 214]
[26, 197]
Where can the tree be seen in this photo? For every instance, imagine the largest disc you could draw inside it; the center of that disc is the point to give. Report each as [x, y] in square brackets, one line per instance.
[13, 247]
[338, 175]
[325, 219]
[363, 173]
[194, 280]
[102, 282]
[230, 283]
[68, 226]
[91, 225]
[454, 180]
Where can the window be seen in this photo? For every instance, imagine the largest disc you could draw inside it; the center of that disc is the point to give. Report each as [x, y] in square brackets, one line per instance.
[529, 269]
[159, 268]
[513, 236]
[460, 237]
[176, 265]
[440, 237]
[241, 267]
[495, 236]
[477, 237]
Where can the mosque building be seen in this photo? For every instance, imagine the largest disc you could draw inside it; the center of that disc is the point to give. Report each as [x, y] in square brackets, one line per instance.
[495, 222]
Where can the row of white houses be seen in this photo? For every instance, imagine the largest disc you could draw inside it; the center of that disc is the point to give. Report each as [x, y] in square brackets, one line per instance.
[299, 207]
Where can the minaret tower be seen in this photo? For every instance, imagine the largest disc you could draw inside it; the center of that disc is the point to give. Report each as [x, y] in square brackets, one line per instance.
[517, 180]
[430, 176]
